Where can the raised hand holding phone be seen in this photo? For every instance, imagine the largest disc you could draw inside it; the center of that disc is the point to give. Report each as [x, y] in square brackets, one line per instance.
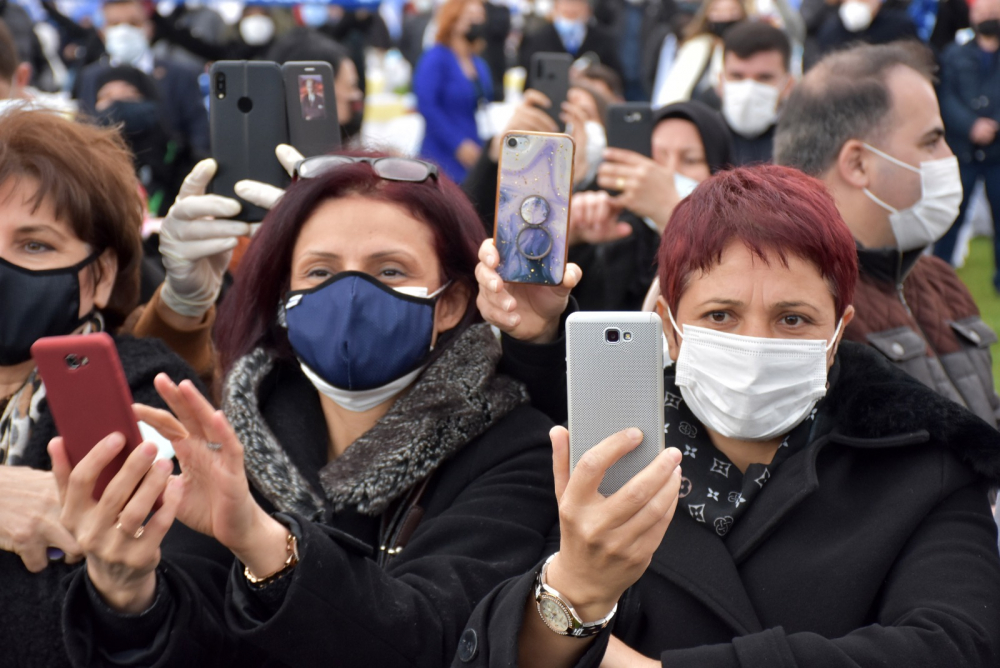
[121, 546]
[525, 311]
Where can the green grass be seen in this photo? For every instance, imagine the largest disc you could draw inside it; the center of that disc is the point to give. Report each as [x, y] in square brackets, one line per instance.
[978, 275]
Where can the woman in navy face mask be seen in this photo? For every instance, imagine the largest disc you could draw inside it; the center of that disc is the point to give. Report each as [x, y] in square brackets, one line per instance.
[371, 472]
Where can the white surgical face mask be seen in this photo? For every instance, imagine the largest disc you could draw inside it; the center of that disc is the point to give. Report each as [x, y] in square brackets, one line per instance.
[855, 15]
[684, 184]
[749, 388]
[934, 213]
[597, 141]
[126, 43]
[359, 401]
[750, 107]
[257, 29]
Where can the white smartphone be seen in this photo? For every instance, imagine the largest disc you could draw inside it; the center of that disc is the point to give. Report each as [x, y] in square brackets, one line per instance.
[614, 363]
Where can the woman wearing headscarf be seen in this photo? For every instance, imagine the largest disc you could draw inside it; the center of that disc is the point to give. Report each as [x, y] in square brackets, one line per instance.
[614, 239]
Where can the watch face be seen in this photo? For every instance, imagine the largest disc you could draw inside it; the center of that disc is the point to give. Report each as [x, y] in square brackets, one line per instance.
[553, 614]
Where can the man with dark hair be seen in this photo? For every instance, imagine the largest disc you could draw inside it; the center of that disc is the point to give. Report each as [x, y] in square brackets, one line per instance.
[755, 83]
[602, 78]
[866, 121]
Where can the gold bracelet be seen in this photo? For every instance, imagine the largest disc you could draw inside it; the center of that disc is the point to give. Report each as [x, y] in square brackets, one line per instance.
[292, 546]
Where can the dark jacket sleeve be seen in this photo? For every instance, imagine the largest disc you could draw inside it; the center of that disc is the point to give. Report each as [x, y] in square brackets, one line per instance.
[542, 369]
[412, 612]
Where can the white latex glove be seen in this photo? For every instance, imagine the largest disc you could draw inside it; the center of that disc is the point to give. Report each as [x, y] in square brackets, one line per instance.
[196, 243]
[196, 246]
[264, 194]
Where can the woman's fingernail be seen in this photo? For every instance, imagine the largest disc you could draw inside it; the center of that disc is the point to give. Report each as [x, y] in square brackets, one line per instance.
[149, 450]
[493, 284]
[508, 304]
[164, 465]
[114, 441]
[633, 434]
[514, 319]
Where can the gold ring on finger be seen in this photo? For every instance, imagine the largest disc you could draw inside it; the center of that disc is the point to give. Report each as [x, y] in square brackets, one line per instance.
[620, 183]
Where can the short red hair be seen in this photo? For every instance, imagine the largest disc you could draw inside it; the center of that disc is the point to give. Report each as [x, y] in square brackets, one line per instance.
[772, 210]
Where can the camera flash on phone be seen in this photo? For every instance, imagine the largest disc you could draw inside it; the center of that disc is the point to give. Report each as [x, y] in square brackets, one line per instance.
[627, 336]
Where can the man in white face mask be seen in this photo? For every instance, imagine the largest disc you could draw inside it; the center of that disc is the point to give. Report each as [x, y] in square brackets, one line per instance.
[866, 121]
[755, 84]
[127, 33]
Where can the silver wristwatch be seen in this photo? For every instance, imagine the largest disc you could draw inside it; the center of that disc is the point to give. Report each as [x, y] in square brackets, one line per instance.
[558, 614]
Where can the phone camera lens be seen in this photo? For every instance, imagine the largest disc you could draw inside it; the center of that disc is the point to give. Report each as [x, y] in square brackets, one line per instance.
[512, 142]
[612, 335]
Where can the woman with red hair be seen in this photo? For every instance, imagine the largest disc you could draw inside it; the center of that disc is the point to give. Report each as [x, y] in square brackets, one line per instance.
[815, 506]
[371, 472]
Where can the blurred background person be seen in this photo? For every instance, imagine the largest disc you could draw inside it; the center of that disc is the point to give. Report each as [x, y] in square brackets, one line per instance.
[571, 29]
[127, 32]
[695, 65]
[866, 122]
[614, 238]
[255, 33]
[453, 85]
[868, 21]
[969, 89]
[15, 76]
[127, 99]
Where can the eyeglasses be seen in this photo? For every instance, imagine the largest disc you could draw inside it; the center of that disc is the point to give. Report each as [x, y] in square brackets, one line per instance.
[390, 169]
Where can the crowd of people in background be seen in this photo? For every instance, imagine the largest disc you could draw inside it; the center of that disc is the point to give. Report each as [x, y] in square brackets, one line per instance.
[361, 453]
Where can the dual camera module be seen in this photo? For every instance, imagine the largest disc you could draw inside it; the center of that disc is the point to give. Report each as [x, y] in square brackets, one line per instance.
[614, 335]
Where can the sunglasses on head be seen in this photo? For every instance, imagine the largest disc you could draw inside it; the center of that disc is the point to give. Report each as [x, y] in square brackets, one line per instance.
[390, 169]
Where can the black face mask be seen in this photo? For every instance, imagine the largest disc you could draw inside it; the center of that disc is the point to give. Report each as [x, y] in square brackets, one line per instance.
[989, 28]
[718, 28]
[476, 31]
[36, 304]
[137, 118]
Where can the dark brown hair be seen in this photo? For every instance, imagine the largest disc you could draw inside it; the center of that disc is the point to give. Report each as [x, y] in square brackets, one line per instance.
[86, 173]
[248, 315]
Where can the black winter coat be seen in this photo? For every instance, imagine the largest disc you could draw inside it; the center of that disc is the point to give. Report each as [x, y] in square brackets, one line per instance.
[871, 546]
[32, 602]
[487, 512]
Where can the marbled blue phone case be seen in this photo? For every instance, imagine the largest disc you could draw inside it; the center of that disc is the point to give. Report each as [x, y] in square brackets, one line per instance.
[533, 192]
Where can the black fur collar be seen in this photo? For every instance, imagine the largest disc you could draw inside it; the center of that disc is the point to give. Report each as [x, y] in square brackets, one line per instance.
[872, 400]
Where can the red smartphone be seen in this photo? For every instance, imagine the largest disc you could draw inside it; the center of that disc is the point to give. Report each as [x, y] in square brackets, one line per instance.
[89, 396]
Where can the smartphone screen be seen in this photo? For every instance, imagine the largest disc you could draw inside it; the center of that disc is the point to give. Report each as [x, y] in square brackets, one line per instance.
[534, 186]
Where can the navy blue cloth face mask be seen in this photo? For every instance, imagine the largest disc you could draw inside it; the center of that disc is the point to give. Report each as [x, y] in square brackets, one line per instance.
[357, 333]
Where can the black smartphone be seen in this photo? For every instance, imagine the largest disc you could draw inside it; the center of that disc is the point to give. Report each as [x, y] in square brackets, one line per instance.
[550, 75]
[630, 126]
[311, 106]
[247, 121]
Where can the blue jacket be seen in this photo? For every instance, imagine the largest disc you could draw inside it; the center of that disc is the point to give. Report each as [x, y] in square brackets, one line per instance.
[448, 100]
[969, 89]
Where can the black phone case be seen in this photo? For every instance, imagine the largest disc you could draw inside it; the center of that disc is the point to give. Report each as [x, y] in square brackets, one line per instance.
[630, 126]
[550, 75]
[247, 121]
[313, 127]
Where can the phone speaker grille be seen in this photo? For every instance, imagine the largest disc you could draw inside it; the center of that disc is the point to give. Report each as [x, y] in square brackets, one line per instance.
[614, 387]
